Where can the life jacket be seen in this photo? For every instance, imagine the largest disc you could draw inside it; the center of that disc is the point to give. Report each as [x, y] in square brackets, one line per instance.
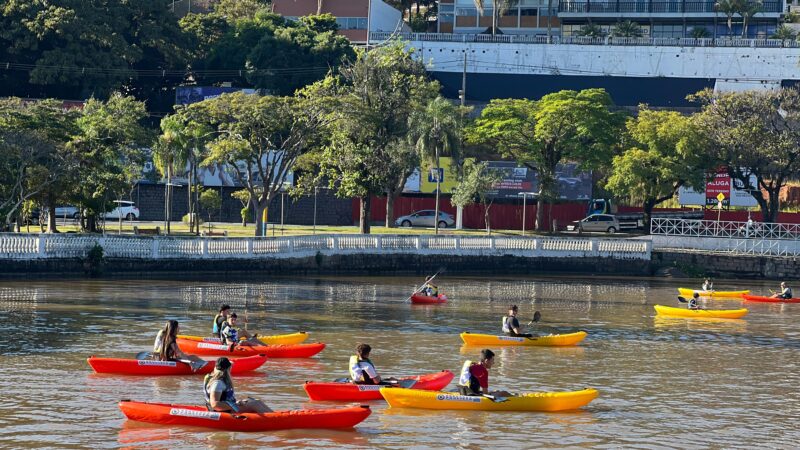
[433, 291]
[692, 304]
[787, 293]
[357, 373]
[227, 395]
[216, 329]
[467, 383]
[228, 334]
[506, 328]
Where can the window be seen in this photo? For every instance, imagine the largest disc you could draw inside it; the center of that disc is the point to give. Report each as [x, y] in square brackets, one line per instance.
[668, 30]
[446, 13]
[352, 23]
[529, 12]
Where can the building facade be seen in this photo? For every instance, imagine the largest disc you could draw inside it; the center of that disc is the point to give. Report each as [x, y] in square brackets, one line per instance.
[353, 16]
[656, 18]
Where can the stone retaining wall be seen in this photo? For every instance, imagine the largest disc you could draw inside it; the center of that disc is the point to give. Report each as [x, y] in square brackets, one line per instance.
[728, 266]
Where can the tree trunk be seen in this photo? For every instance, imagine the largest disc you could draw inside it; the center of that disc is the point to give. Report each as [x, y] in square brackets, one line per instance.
[196, 206]
[91, 223]
[486, 218]
[539, 225]
[438, 188]
[51, 216]
[189, 198]
[647, 209]
[260, 207]
[390, 198]
[773, 204]
[363, 218]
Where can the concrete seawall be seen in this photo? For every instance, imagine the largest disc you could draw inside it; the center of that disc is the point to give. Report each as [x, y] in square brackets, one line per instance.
[322, 264]
[727, 266]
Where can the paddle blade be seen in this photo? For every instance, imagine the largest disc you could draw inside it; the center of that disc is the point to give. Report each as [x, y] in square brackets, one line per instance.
[144, 355]
[406, 383]
[537, 316]
[682, 300]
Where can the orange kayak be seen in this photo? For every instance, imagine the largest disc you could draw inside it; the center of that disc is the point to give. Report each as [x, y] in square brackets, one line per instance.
[199, 416]
[201, 348]
[347, 391]
[149, 367]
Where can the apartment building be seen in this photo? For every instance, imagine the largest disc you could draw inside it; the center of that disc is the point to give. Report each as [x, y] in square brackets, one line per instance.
[525, 17]
[656, 18]
[353, 16]
[669, 18]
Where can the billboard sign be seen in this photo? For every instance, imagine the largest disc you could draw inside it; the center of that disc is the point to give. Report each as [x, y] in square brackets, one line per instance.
[573, 184]
[186, 95]
[719, 183]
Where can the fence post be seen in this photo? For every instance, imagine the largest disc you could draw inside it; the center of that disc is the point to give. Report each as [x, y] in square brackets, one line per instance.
[335, 241]
[378, 242]
[594, 248]
[154, 248]
[418, 243]
[492, 242]
[42, 250]
[204, 247]
[250, 247]
[290, 245]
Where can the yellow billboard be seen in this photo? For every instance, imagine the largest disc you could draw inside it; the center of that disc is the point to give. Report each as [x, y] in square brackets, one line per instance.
[428, 173]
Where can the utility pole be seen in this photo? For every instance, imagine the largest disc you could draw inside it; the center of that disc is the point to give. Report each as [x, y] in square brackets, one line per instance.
[462, 94]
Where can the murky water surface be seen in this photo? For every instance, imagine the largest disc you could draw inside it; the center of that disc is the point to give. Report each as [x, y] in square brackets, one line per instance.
[664, 383]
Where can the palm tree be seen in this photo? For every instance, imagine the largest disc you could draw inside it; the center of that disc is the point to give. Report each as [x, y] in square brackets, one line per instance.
[435, 131]
[784, 33]
[171, 151]
[499, 7]
[700, 33]
[590, 30]
[747, 10]
[729, 8]
[627, 29]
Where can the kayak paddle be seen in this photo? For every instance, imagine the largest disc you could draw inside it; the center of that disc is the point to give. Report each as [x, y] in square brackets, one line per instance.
[427, 280]
[537, 316]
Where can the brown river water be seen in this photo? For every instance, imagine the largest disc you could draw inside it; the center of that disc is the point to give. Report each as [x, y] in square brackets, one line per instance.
[664, 383]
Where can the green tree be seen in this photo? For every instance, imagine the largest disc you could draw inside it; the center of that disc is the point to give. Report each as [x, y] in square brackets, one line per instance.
[262, 135]
[784, 33]
[476, 181]
[730, 8]
[700, 33]
[170, 154]
[235, 10]
[563, 126]
[748, 9]
[663, 152]
[754, 133]
[210, 201]
[591, 30]
[499, 7]
[34, 159]
[78, 49]
[243, 195]
[436, 131]
[627, 28]
[109, 147]
[370, 104]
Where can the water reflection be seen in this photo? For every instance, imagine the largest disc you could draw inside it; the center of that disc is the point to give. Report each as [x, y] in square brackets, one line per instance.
[655, 375]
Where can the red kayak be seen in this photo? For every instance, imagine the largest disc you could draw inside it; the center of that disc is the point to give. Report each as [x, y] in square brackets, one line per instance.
[150, 367]
[419, 299]
[757, 298]
[199, 416]
[272, 351]
[357, 392]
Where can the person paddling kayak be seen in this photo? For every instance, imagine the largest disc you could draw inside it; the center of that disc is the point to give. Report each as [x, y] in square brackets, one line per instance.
[785, 293]
[511, 325]
[231, 335]
[694, 302]
[430, 289]
[218, 390]
[362, 371]
[474, 379]
[165, 347]
[219, 319]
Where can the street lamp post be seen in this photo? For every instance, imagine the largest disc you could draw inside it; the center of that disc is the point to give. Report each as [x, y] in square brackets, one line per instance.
[524, 207]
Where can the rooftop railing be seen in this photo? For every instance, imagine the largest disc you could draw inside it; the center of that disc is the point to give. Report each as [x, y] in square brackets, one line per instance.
[580, 40]
[43, 246]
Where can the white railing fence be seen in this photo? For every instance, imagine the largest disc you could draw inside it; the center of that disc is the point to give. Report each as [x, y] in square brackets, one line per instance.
[744, 238]
[45, 246]
[581, 40]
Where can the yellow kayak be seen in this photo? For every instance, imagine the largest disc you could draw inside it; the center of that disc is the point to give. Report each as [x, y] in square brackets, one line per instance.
[662, 310]
[275, 339]
[686, 292]
[553, 340]
[534, 401]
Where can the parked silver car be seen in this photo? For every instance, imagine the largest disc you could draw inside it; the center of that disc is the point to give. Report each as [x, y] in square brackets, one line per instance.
[425, 218]
[67, 212]
[603, 223]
